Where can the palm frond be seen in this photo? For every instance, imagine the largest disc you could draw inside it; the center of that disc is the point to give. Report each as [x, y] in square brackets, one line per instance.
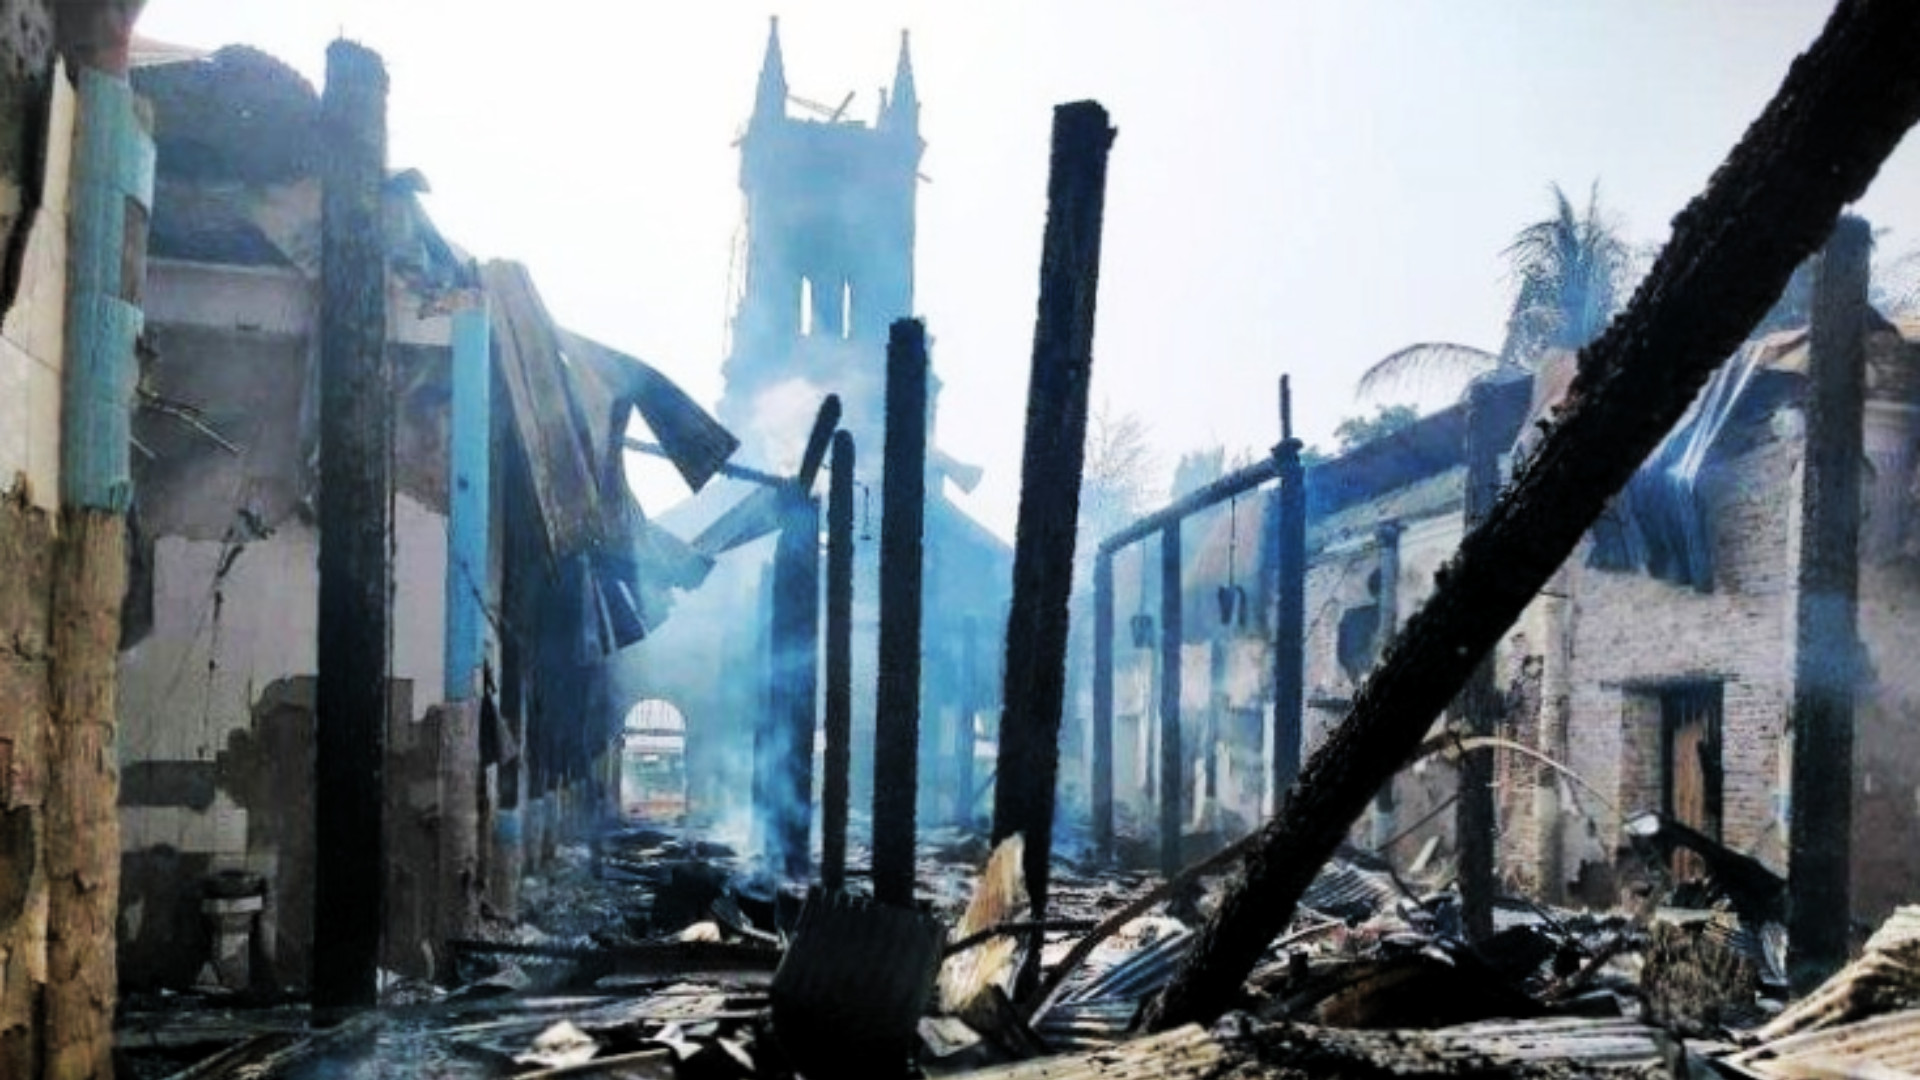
[1431, 367]
[1896, 284]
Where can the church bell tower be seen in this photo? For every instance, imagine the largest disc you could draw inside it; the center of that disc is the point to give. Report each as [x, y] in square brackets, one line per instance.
[828, 259]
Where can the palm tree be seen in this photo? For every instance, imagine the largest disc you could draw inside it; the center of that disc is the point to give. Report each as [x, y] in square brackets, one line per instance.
[1571, 272]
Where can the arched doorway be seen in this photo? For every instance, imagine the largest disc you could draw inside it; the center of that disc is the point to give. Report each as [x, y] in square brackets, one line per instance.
[653, 763]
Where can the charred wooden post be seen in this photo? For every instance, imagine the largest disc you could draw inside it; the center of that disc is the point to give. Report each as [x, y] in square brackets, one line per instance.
[1173, 772]
[1290, 617]
[1052, 458]
[1386, 540]
[760, 836]
[1479, 702]
[1842, 109]
[356, 441]
[111, 192]
[903, 507]
[1826, 618]
[795, 659]
[838, 760]
[1102, 779]
[469, 500]
[968, 703]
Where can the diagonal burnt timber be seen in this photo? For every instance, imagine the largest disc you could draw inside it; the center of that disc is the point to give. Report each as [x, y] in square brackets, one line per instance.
[1843, 107]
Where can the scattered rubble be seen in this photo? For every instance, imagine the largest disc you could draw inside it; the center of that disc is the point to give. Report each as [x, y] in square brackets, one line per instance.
[655, 955]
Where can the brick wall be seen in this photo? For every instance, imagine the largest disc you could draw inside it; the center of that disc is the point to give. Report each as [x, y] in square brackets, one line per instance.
[1631, 634]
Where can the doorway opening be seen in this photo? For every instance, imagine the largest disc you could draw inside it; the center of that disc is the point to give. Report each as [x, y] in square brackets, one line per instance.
[653, 764]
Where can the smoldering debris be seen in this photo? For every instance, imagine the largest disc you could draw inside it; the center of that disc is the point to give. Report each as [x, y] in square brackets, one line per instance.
[660, 955]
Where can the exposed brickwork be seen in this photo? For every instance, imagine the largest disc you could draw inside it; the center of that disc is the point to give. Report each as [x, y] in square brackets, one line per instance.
[1633, 634]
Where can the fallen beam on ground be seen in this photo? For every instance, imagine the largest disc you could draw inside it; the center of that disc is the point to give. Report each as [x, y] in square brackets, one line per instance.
[1842, 109]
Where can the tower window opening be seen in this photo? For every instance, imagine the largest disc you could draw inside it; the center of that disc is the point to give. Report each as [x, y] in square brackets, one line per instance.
[806, 307]
[846, 310]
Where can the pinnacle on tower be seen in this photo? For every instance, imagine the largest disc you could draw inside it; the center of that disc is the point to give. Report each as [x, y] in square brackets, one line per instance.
[770, 99]
[903, 105]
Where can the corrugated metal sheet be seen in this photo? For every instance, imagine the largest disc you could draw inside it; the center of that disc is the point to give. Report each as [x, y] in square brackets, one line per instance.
[1594, 1045]
[1598, 1042]
[1186, 1052]
[1347, 891]
[854, 983]
[1890, 1042]
[542, 409]
[1101, 1010]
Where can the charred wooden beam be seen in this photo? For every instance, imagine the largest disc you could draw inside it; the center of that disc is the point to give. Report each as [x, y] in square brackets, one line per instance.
[726, 469]
[1842, 109]
[1238, 482]
[355, 627]
[838, 760]
[1102, 780]
[111, 193]
[967, 703]
[1826, 617]
[903, 508]
[1173, 772]
[1290, 613]
[1034, 686]
[1386, 541]
[1479, 702]
[795, 670]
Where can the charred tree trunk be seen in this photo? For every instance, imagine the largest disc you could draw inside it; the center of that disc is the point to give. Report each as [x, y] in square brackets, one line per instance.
[1479, 702]
[839, 715]
[1842, 109]
[903, 508]
[356, 440]
[1290, 614]
[1051, 463]
[1827, 646]
[1173, 771]
[1102, 779]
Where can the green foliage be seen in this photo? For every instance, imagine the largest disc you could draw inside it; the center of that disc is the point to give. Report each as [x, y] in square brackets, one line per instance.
[1357, 431]
[1571, 272]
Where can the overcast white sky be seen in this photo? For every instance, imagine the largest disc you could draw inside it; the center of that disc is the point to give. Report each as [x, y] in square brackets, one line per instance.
[1299, 187]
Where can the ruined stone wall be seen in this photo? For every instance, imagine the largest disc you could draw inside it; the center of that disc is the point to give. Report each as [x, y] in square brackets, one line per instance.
[216, 699]
[33, 239]
[26, 552]
[1632, 635]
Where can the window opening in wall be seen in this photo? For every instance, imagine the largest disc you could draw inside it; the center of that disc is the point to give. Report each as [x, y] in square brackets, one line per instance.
[1690, 764]
[806, 307]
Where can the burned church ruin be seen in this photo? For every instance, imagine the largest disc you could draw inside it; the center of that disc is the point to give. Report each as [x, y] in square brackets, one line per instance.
[826, 266]
[357, 718]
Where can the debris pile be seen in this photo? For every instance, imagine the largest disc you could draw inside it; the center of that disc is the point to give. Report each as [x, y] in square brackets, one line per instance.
[658, 955]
